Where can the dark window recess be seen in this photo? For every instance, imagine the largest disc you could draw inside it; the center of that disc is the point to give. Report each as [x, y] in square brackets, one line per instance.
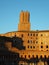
[28, 41]
[45, 56]
[33, 56]
[28, 34]
[41, 56]
[41, 34]
[29, 56]
[25, 56]
[41, 42]
[36, 34]
[22, 35]
[47, 46]
[41, 50]
[36, 56]
[31, 41]
[33, 34]
[46, 50]
[41, 46]
[28, 46]
[36, 41]
[33, 46]
[21, 64]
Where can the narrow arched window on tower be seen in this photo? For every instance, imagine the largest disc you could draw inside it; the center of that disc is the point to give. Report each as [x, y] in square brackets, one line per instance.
[23, 16]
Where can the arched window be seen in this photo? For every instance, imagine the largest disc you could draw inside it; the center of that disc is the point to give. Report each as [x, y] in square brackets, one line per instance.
[46, 46]
[25, 56]
[41, 56]
[29, 56]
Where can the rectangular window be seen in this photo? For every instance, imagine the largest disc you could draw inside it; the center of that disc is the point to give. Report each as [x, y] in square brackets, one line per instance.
[33, 34]
[47, 46]
[28, 34]
[41, 46]
[41, 42]
[33, 46]
[36, 41]
[25, 56]
[22, 35]
[28, 46]
[29, 56]
[28, 41]
[36, 34]
[41, 34]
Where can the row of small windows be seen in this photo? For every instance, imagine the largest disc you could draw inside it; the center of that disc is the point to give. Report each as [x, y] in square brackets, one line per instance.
[33, 41]
[31, 46]
[34, 47]
[25, 56]
[34, 34]
[30, 41]
[46, 46]
[30, 34]
[33, 56]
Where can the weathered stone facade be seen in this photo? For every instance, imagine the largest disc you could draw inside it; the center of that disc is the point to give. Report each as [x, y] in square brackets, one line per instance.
[36, 43]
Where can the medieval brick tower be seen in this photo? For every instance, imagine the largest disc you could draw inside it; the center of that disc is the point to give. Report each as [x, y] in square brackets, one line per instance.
[36, 43]
[24, 24]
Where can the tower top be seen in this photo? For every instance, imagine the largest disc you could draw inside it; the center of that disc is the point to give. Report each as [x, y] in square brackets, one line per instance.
[24, 24]
[24, 16]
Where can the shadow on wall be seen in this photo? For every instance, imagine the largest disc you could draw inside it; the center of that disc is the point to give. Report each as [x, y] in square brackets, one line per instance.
[16, 42]
[7, 57]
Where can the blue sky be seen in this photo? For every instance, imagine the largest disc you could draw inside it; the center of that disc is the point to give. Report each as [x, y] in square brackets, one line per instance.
[10, 10]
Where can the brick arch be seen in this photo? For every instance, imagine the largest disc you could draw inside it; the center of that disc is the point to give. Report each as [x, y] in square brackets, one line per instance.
[44, 56]
[36, 56]
[40, 56]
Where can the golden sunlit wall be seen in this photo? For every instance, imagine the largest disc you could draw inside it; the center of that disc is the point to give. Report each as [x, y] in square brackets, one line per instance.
[35, 42]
